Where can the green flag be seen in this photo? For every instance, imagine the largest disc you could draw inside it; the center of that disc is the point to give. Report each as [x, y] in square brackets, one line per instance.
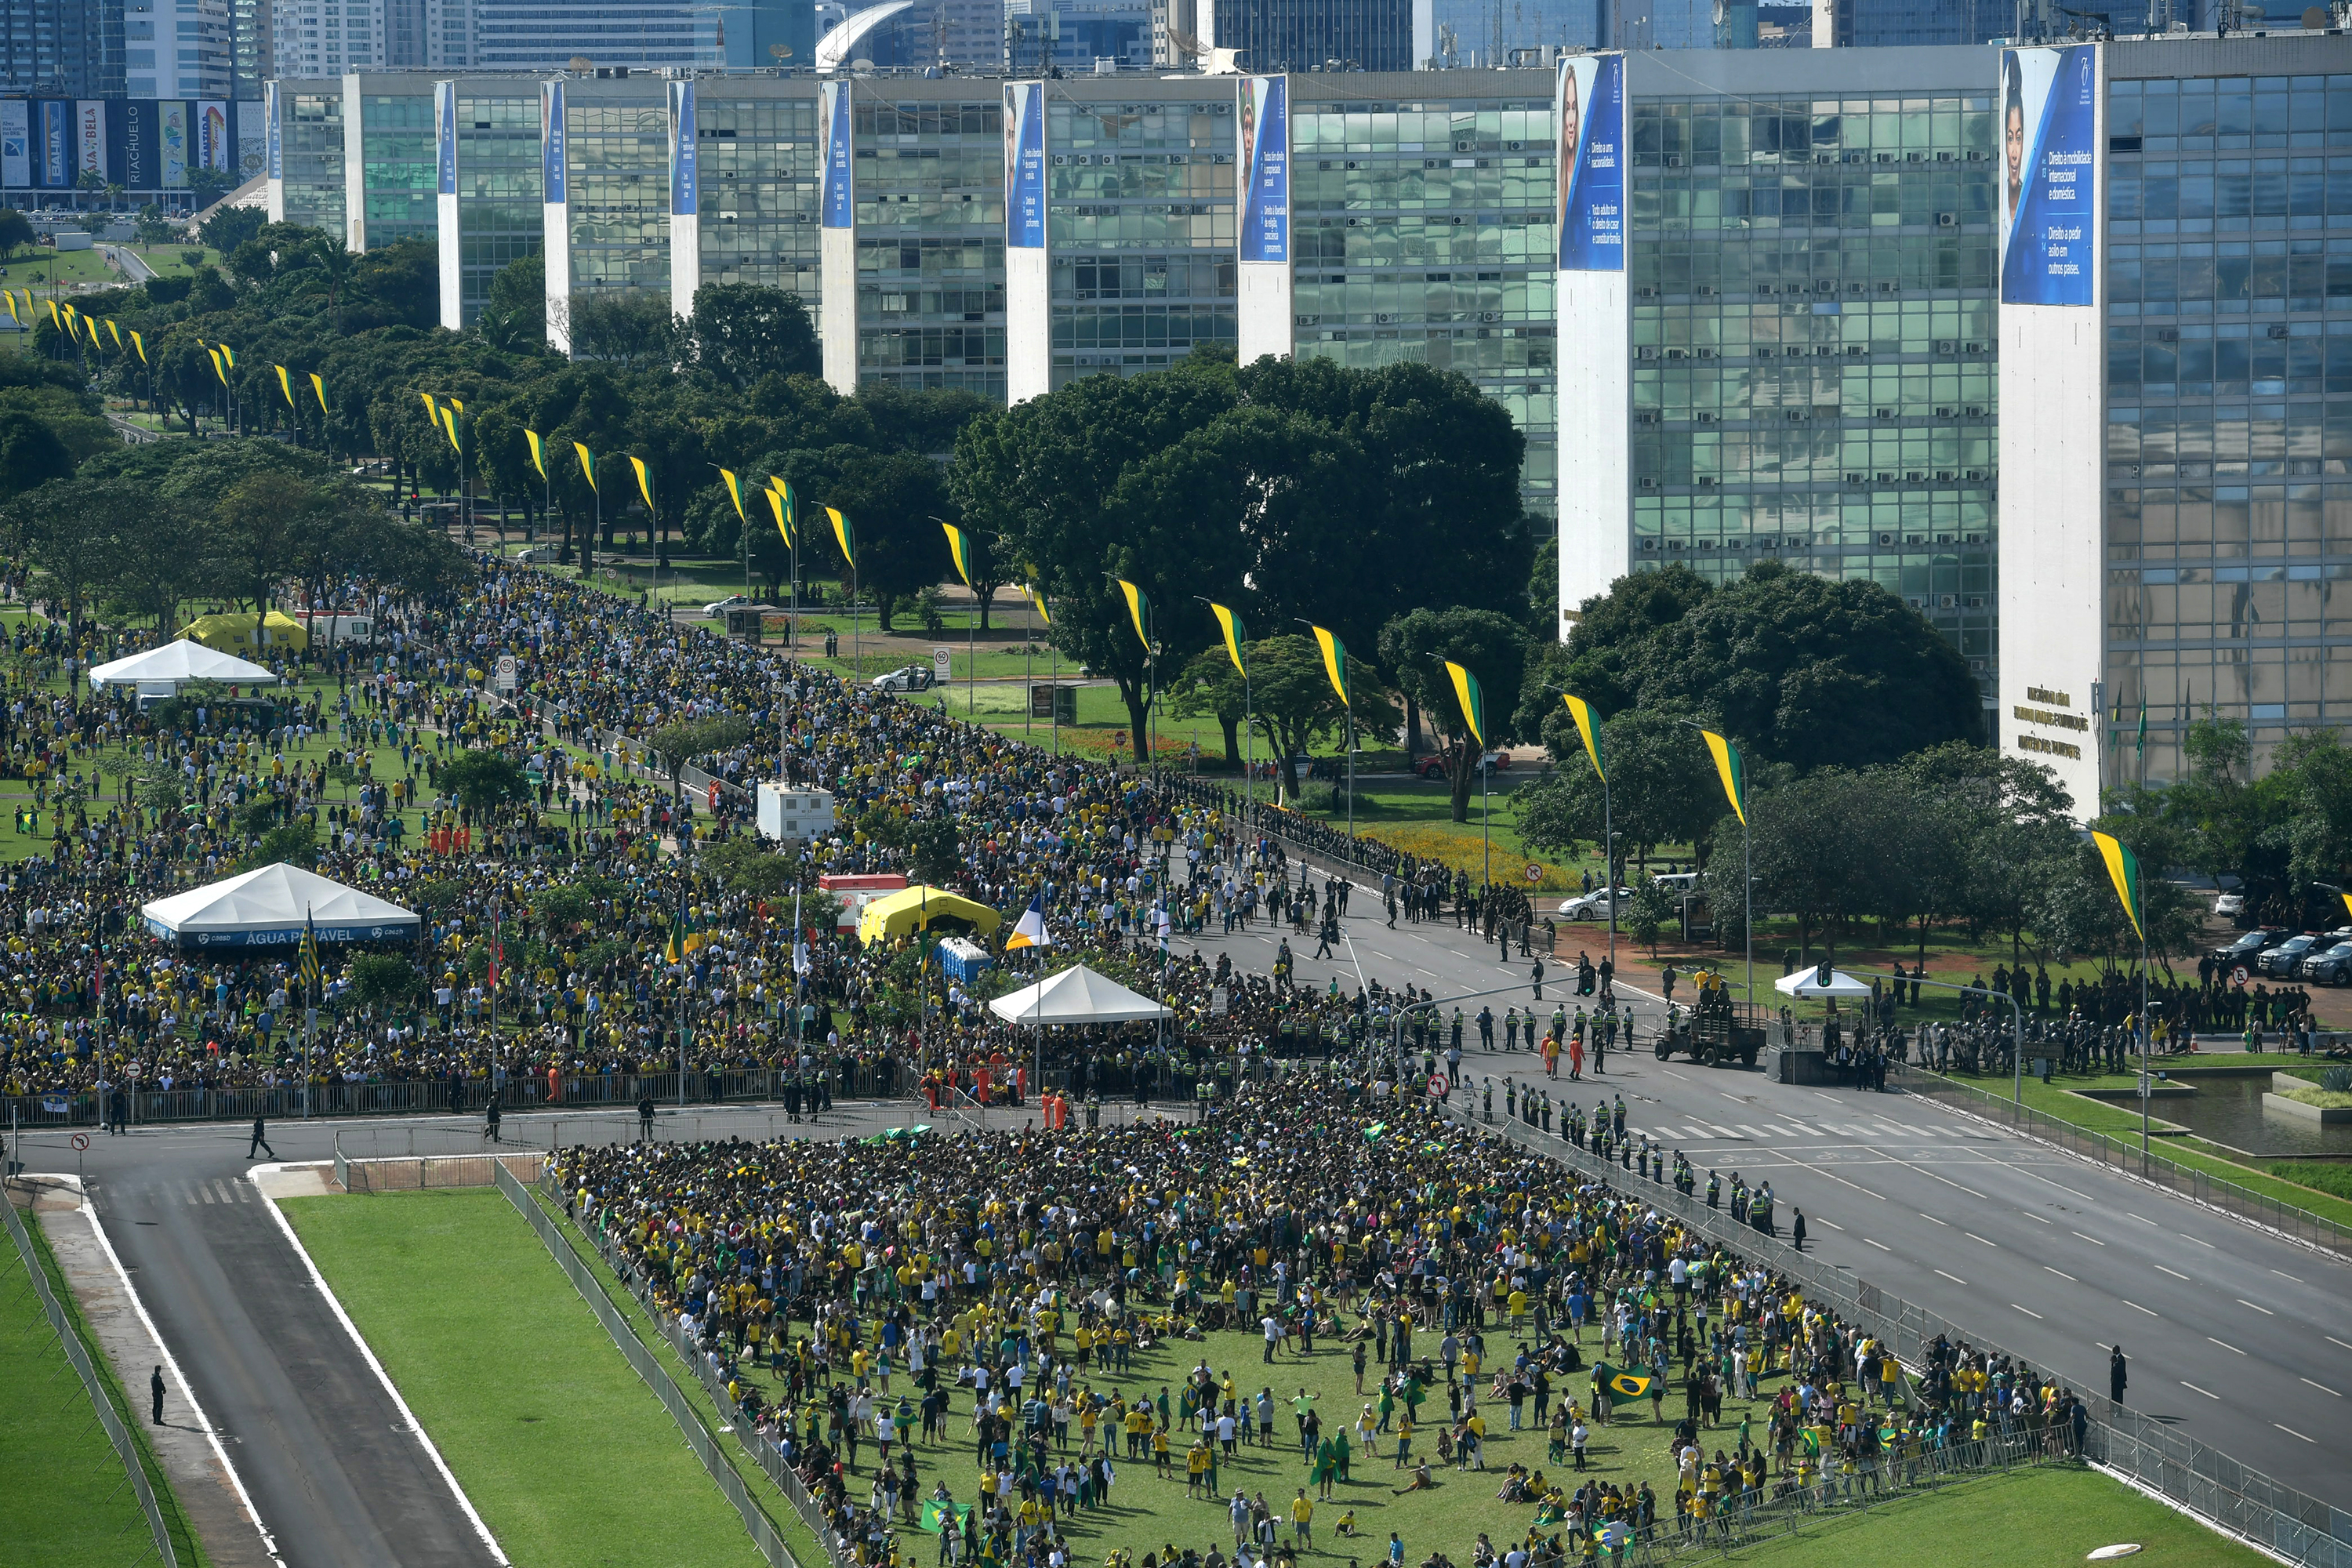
[1623, 1387]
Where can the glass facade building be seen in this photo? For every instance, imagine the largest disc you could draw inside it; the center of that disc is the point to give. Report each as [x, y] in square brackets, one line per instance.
[1812, 340]
[930, 188]
[313, 160]
[1306, 35]
[499, 215]
[1140, 227]
[759, 158]
[1424, 231]
[393, 171]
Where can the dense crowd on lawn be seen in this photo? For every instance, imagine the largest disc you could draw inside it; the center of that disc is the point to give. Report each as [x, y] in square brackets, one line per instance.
[88, 999]
[865, 1301]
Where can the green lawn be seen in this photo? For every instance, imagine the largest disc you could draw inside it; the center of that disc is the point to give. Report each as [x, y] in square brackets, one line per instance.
[66, 1503]
[567, 1454]
[2027, 1519]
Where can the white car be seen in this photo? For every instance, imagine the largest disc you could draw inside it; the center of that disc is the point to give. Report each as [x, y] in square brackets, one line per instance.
[2230, 904]
[907, 678]
[1595, 905]
[719, 607]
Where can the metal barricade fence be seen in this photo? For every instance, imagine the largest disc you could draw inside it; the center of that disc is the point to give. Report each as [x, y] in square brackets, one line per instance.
[646, 1366]
[107, 1417]
[2124, 1155]
[2196, 1479]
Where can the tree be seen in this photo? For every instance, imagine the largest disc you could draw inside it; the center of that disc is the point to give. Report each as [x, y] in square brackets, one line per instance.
[30, 453]
[1607, 629]
[938, 858]
[67, 529]
[384, 979]
[485, 780]
[396, 285]
[1491, 646]
[1289, 698]
[1810, 671]
[891, 499]
[634, 329]
[166, 550]
[739, 333]
[16, 231]
[514, 313]
[1655, 793]
[681, 741]
[258, 529]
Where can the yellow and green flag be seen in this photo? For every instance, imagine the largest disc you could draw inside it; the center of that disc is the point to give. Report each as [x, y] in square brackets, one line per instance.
[1236, 634]
[12, 307]
[645, 481]
[215, 356]
[783, 518]
[317, 386]
[228, 355]
[1335, 660]
[538, 445]
[1734, 774]
[284, 384]
[587, 464]
[1623, 1387]
[432, 408]
[115, 331]
[734, 492]
[960, 552]
[2123, 869]
[1037, 597]
[449, 424]
[845, 535]
[139, 343]
[1473, 699]
[1587, 726]
[1138, 609]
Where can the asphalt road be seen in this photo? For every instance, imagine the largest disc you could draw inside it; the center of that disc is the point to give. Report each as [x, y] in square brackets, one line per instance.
[2236, 1335]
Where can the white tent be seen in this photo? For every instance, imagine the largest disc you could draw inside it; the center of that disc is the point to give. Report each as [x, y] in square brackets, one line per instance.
[160, 670]
[1077, 996]
[1801, 984]
[270, 906]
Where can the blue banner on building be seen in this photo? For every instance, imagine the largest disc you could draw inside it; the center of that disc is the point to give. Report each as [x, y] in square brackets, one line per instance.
[54, 165]
[273, 113]
[837, 195]
[444, 137]
[1266, 160]
[1589, 107]
[685, 197]
[1025, 165]
[2049, 171]
[551, 142]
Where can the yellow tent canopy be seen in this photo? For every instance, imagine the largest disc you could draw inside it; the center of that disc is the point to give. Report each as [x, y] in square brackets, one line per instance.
[913, 909]
[236, 634]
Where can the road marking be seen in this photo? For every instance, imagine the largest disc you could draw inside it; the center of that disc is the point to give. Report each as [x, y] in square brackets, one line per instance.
[1773, 1127]
[1880, 1244]
[1972, 1235]
[2192, 1387]
[2176, 1273]
[2321, 1386]
[2197, 1239]
[2028, 1311]
[2135, 1307]
[2094, 1240]
[205, 1194]
[2284, 1275]
[1953, 1277]
[2265, 1312]
[1733, 1097]
[1751, 1131]
[2062, 1274]
[2332, 1340]
[2141, 1217]
[2037, 1218]
[2290, 1431]
[1671, 1073]
[1947, 1223]
[1830, 1097]
[1720, 1130]
[1831, 1224]
[2226, 1346]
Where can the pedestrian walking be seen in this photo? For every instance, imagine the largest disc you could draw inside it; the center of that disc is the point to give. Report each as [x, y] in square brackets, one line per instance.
[1534, 975]
[490, 1120]
[156, 1396]
[1797, 1227]
[646, 1120]
[2118, 1377]
[260, 1138]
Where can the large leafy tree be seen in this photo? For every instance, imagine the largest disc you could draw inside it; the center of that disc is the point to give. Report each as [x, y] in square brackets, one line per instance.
[892, 500]
[1493, 647]
[742, 332]
[1658, 794]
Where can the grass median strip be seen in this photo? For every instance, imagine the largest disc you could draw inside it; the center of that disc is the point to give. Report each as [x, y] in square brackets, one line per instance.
[2041, 1517]
[567, 1454]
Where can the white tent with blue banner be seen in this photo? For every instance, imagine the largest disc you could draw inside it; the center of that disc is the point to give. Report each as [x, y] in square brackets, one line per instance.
[269, 908]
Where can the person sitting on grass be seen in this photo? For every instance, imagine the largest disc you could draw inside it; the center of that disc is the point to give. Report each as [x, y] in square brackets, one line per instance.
[1420, 1483]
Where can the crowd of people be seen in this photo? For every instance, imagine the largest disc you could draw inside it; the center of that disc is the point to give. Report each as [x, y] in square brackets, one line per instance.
[982, 1337]
[550, 950]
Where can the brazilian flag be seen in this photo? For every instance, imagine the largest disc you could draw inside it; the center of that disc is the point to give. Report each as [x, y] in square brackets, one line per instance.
[1335, 660]
[1623, 1387]
[960, 552]
[1235, 634]
[2123, 869]
[1588, 727]
[1732, 770]
[1473, 699]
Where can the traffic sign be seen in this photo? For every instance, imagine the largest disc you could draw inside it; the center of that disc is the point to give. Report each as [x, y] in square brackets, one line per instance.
[81, 1142]
[2239, 976]
[506, 672]
[942, 663]
[1535, 872]
[1438, 1086]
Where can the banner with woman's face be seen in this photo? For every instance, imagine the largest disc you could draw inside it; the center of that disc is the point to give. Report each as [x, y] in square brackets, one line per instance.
[2049, 175]
[1589, 110]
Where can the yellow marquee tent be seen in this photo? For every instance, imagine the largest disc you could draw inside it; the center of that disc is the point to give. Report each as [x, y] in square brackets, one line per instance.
[912, 909]
[235, 634]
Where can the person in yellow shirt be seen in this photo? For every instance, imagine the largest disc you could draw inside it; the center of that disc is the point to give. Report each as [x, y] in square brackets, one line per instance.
[1302, 1520]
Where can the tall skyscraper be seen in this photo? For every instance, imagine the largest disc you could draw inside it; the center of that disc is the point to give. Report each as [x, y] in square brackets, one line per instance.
[327, 38]
[1309, 34]
[537, 35]
[63, 48]
[177, 49]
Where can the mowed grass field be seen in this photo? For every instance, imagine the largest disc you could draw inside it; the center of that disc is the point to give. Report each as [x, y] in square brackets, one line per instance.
[568, 1457]
[67, 1502]
[2027, 1519]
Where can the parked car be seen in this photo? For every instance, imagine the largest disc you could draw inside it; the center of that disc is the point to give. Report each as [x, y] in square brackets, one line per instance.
[2330, 966]
[2244, 948]
[907, 678]
[2281, 959]
[2230, 904]
[1677, 884]
[718, 607]
[1594, 905]
[1433, 767]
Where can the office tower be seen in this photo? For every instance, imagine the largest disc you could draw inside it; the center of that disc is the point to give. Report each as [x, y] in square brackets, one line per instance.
[64, 49]
[535, 35]
[327, 38]
[1073, 36]
[1312, 35]
[177, 49]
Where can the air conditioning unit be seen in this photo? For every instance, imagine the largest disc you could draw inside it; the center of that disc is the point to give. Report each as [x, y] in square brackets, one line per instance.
[1887, 539]
[1972, 473]
[1943, 414]
[1796, 415]
[1645, 354]
[1706, 418]
[1674, 160]
[1885, 479]
[1823, 351]
[1706, 288]
[1890, 288]
[1912, 476]
[1645, 418]
[1647, 292]
[1881, 414]
[1676, 353]
[1857, 478]
[1972, 539]
[1855, 351]
[1649, 543]
[1948, 220]
[1976, 410]
[1707, 353]
[1913, 602]
[1976, 348]
[1706, 484]
[1649, 484]
[1948, 345]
